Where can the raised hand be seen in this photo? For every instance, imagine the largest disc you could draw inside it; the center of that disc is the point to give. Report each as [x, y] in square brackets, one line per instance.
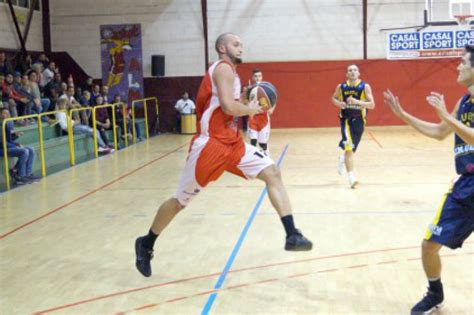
[394, 103]
[437, 101]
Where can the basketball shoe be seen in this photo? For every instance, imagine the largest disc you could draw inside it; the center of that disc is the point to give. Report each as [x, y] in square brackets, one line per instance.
[297, 242]
[428, 304]
[352, 180]
[143, 258]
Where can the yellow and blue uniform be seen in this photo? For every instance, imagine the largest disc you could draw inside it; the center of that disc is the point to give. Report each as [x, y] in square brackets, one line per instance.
[353, 117]
[454, 221]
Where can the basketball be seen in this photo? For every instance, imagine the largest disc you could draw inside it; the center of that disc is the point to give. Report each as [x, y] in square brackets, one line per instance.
[265, 93]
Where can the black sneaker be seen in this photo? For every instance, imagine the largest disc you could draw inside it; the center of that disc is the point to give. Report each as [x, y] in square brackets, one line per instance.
[33, 178]
[13, 174]
[143, 258]
[428, 304]
[21, 180]
[297, 242]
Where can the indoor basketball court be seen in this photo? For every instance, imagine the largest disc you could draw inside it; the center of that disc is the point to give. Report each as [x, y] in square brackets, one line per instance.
[67, 239]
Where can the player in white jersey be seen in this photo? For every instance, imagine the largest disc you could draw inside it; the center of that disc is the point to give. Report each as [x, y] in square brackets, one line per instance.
[218, 147]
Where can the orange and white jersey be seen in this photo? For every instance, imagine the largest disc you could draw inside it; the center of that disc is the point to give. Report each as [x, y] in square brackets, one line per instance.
[211, 120]
[259, 122]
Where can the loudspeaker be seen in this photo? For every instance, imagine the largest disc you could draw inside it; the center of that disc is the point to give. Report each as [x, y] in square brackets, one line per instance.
[157, 65]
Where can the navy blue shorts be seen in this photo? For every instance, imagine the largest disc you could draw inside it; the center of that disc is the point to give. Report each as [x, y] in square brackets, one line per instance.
[454, 221]
[351, 130]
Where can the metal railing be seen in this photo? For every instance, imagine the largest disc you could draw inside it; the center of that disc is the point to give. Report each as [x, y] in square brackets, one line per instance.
[41, 139]
[145, 106]
[70, 130]
[94, 126]
[124, 116]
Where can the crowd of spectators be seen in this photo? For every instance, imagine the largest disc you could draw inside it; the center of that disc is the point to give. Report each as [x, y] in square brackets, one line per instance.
[35, 86]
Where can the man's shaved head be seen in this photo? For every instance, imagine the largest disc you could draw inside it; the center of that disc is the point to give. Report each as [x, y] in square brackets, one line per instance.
[222, 40]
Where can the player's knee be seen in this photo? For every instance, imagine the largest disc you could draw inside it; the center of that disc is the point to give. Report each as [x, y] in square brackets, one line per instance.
[428, 247]
[270, 173]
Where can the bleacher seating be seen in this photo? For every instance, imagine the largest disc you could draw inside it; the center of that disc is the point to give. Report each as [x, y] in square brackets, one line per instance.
[56, 148]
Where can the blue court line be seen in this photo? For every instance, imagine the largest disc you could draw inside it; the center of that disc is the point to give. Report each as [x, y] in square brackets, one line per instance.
[230, 260]
[423, 212]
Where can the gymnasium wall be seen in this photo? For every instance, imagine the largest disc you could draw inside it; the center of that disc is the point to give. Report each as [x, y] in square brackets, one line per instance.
[303, 46]
[8, 35]
[272, 30]
[305, 88]
[282, 30]
[169, 27]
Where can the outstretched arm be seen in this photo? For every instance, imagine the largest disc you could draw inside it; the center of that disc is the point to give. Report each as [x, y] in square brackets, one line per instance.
[464, 131]
[436, 131]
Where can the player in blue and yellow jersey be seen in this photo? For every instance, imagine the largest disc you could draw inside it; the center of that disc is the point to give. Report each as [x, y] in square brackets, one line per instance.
[454, 221]
[354, 97]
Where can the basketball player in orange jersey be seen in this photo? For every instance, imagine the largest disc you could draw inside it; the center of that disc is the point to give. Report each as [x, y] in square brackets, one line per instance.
[259, 124]
[354, 97]
[218, 147]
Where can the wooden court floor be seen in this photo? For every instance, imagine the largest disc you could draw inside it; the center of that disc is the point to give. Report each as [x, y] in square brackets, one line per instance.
[66, 243]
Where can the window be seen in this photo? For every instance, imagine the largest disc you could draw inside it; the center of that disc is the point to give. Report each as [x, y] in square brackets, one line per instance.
[25, 4]
[460, 7]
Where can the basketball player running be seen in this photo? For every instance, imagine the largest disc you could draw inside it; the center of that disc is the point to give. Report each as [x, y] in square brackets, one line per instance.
[454, 221]
[259, 124]
[354, 98]
[218, 147]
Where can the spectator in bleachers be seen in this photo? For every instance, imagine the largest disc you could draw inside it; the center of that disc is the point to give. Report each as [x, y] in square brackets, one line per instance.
[5, 66]
[63, 89]
[38, 68]
[48, 73]
[35, 91]
[22, 171]
[120, 113]
[88, 85]
[54, 85]
[78, 94]
[22, 85]
[105, 93]
[95, 93]
[62, 118]
[12, 98]
[74, 104]
[17, 80]
[102, 119]
[70, 80]
[85, 101]
[24, 64]
[43, 60]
